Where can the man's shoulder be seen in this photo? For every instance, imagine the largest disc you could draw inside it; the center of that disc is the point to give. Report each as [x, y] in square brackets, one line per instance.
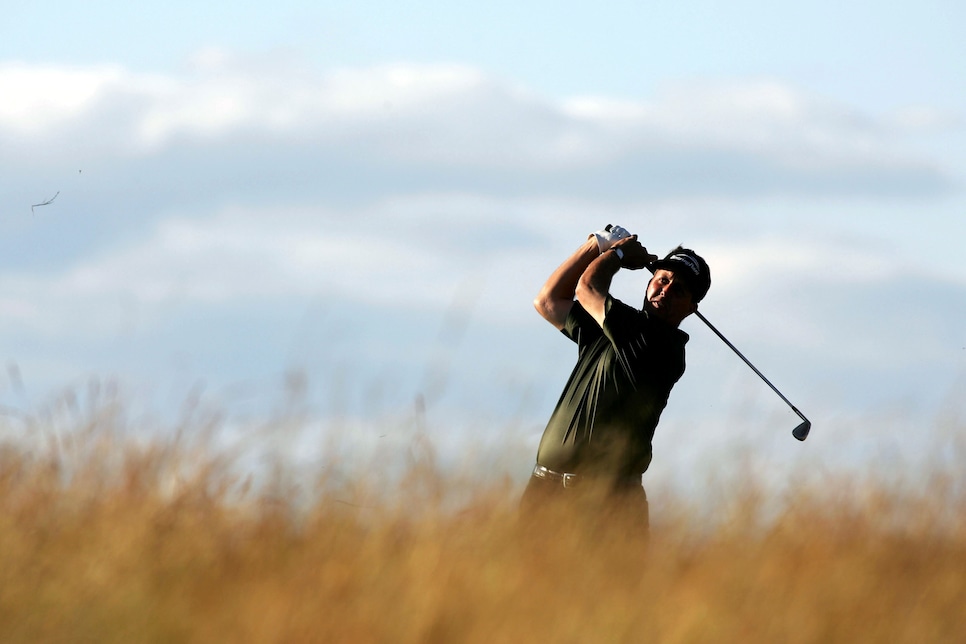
[627, 317]
[617, 309]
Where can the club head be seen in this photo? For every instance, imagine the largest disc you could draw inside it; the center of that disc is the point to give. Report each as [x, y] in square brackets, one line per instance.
[801, 432]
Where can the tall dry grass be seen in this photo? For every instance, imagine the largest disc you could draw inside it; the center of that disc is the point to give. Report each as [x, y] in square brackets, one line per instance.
[106, 538]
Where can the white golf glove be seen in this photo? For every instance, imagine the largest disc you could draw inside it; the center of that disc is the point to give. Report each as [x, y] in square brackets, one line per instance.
[608, 236]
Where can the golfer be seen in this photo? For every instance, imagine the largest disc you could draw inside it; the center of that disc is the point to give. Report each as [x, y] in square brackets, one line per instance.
[599, 436]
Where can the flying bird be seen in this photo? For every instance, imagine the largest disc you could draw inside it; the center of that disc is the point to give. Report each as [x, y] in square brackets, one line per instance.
[44, 203]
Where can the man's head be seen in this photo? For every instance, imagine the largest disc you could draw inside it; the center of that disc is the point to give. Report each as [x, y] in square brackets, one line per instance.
[680, 281]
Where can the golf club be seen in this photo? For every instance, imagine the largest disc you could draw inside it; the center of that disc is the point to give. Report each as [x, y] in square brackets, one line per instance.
[801, 430]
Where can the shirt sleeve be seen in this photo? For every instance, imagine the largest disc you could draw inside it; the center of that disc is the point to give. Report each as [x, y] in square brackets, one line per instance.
[580, 326]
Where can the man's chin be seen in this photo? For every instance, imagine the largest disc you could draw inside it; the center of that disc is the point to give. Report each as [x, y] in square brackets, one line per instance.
[656, 310]
[662, 313]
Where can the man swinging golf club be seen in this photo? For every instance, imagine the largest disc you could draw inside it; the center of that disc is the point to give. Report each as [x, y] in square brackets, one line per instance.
[599, 435]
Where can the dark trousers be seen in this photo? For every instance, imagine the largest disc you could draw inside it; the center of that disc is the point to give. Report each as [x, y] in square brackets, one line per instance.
[598, 505]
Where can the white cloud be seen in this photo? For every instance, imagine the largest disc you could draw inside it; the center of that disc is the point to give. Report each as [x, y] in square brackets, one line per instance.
[250, 255]
[40, 97]
[784, 258]
[443, 120]
[922, 118]
[419, 253]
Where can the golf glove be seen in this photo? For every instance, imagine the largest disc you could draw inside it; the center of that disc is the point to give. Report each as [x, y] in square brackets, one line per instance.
[608, 236]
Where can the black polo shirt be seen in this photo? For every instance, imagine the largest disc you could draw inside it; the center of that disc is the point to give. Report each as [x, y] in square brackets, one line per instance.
[606, 416]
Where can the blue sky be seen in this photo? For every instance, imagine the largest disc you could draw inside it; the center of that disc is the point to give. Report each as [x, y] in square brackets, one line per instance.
[371, 193]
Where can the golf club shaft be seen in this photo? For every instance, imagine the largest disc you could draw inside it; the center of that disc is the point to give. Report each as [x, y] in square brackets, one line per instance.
[802, 430]
[748, 362]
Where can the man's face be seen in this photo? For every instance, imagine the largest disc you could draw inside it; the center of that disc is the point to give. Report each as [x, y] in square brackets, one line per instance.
[669, 298]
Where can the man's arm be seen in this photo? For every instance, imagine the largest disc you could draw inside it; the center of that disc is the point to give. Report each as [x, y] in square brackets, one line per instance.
[556, 298]
[593, 284]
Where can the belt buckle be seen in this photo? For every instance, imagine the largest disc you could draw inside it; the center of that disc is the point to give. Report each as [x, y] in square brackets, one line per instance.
[569, 480]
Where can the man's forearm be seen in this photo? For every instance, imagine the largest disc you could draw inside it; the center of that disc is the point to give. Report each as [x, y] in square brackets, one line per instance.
[556, 297]
[594, 284]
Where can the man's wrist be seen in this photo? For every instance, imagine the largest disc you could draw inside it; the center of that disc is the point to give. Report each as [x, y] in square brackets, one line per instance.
[619, 253]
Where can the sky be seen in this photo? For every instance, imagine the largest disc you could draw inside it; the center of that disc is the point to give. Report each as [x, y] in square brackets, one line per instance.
[347, 209]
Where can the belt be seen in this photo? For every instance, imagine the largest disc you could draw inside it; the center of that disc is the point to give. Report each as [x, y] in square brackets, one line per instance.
[566, 478]
[569, 480]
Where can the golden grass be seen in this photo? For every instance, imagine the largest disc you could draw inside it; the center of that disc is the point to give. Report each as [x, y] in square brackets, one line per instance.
[105, 539]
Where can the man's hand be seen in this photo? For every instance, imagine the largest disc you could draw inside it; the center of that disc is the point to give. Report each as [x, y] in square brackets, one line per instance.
[594, 284]
[635, 255]
[609, 236]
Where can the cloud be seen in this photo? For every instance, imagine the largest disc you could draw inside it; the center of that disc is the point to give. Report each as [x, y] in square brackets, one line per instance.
[43, 97]
[434, 128]
[921, 118]
[420, 253]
